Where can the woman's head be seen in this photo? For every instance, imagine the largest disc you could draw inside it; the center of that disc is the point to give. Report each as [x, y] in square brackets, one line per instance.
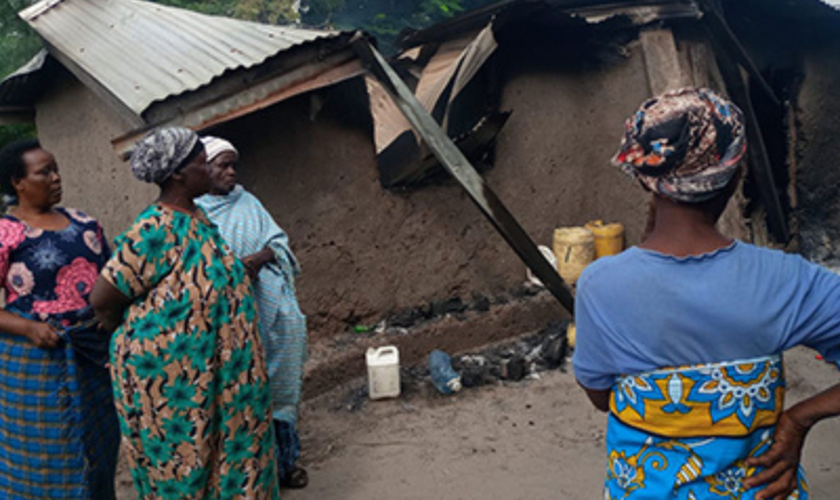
[172, 156]
[222, 157]
[684, 145]
[30, 173]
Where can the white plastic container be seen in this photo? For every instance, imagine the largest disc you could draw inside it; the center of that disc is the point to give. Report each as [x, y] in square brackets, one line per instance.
[383, 365]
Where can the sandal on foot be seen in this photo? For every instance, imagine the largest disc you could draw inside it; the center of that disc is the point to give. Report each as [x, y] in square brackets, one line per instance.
[296, 478]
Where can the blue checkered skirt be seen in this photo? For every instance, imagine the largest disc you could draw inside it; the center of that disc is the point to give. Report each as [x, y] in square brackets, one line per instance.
[59, 434]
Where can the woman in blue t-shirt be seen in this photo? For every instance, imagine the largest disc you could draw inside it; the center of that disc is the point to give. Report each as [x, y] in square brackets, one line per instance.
[680, 338]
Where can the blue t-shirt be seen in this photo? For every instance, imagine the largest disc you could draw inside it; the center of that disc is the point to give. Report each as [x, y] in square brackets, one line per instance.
[642, 310]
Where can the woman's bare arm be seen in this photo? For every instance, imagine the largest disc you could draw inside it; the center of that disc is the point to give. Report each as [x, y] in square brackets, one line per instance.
[43, 335]
[109, 304]
[600, 398]
[781, 462]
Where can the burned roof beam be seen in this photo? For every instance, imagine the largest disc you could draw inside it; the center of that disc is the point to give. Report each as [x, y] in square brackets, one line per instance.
[476, 143]
[760, 168]
[722, 34]
[402, 170]
[459, 167]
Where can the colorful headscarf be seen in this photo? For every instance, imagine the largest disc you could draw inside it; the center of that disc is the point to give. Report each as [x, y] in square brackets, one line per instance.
[158, 155]
[216, 146]
[685, 144]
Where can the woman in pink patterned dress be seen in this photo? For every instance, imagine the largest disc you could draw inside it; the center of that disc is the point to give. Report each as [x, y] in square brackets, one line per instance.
[60, 436]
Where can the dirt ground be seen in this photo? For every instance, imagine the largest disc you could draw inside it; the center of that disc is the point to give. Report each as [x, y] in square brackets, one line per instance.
[537, 439]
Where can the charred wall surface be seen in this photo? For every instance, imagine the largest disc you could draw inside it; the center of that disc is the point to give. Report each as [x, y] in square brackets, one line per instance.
[818, 155]
[796, 45]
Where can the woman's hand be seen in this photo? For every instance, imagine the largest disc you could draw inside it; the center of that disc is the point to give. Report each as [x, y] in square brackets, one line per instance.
[255, 262]
[781, 462]
[43, 335]
[251, 267]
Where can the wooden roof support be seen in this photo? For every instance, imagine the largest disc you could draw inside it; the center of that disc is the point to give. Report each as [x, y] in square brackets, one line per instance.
[460, 168]
[723, 35]
[729, 55]
[760, 168]
[726, 39]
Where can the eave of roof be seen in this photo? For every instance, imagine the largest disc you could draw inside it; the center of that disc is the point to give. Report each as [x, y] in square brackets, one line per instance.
[141, 52]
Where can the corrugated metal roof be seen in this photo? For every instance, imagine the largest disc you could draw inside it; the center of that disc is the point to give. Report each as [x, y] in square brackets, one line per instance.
[144, 52]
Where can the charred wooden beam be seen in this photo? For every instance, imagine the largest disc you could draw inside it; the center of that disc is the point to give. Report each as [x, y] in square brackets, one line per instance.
[760, 168]
[728, 41]
[476, 143]
[411, 168]
[460, 168]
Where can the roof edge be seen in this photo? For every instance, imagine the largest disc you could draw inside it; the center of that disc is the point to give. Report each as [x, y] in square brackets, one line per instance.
[477, 19]
[35, 10]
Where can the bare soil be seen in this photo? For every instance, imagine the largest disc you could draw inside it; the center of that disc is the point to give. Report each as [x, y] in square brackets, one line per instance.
[537, 439]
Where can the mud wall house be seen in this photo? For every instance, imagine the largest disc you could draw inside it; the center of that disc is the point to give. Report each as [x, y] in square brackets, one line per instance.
[535, 92]
[112, 69]
[548, 83]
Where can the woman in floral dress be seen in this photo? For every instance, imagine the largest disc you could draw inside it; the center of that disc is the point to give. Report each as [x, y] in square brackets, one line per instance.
[59, 436]
[188, 366]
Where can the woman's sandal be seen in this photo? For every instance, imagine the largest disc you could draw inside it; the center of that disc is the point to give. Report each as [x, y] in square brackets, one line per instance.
[296, 478]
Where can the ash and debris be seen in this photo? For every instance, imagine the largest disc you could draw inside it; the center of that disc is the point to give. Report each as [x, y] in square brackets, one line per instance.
[524, 357]
[401, 321]
[512, 361]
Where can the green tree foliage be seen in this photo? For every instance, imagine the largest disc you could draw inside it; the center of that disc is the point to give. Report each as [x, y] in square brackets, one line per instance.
[212, 7]
[267, 11]
[9, 133]
[18, 44]
[262, 11]
[385, 19]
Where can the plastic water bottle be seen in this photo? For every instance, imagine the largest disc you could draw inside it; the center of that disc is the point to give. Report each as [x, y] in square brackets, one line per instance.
[445, 379]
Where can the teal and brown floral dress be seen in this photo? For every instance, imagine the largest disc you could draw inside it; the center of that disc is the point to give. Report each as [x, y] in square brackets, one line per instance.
[189, 372]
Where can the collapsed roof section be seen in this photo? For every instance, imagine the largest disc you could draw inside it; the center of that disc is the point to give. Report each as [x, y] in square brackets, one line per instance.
[454, 68]
[162, 65]
[450, 66]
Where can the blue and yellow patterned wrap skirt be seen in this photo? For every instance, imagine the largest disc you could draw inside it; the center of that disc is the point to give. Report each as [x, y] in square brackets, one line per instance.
[684, 433]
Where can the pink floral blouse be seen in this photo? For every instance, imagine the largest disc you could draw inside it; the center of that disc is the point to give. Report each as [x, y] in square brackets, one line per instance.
[49, 274]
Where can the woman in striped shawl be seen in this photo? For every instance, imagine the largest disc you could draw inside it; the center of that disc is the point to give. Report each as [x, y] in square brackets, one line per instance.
[264, 249]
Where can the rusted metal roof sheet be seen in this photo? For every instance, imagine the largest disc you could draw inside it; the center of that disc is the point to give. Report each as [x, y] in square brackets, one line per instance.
[142, 52]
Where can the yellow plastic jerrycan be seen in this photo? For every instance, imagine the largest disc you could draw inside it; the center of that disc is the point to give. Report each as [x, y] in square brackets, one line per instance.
[574, 248]
[609, 238]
